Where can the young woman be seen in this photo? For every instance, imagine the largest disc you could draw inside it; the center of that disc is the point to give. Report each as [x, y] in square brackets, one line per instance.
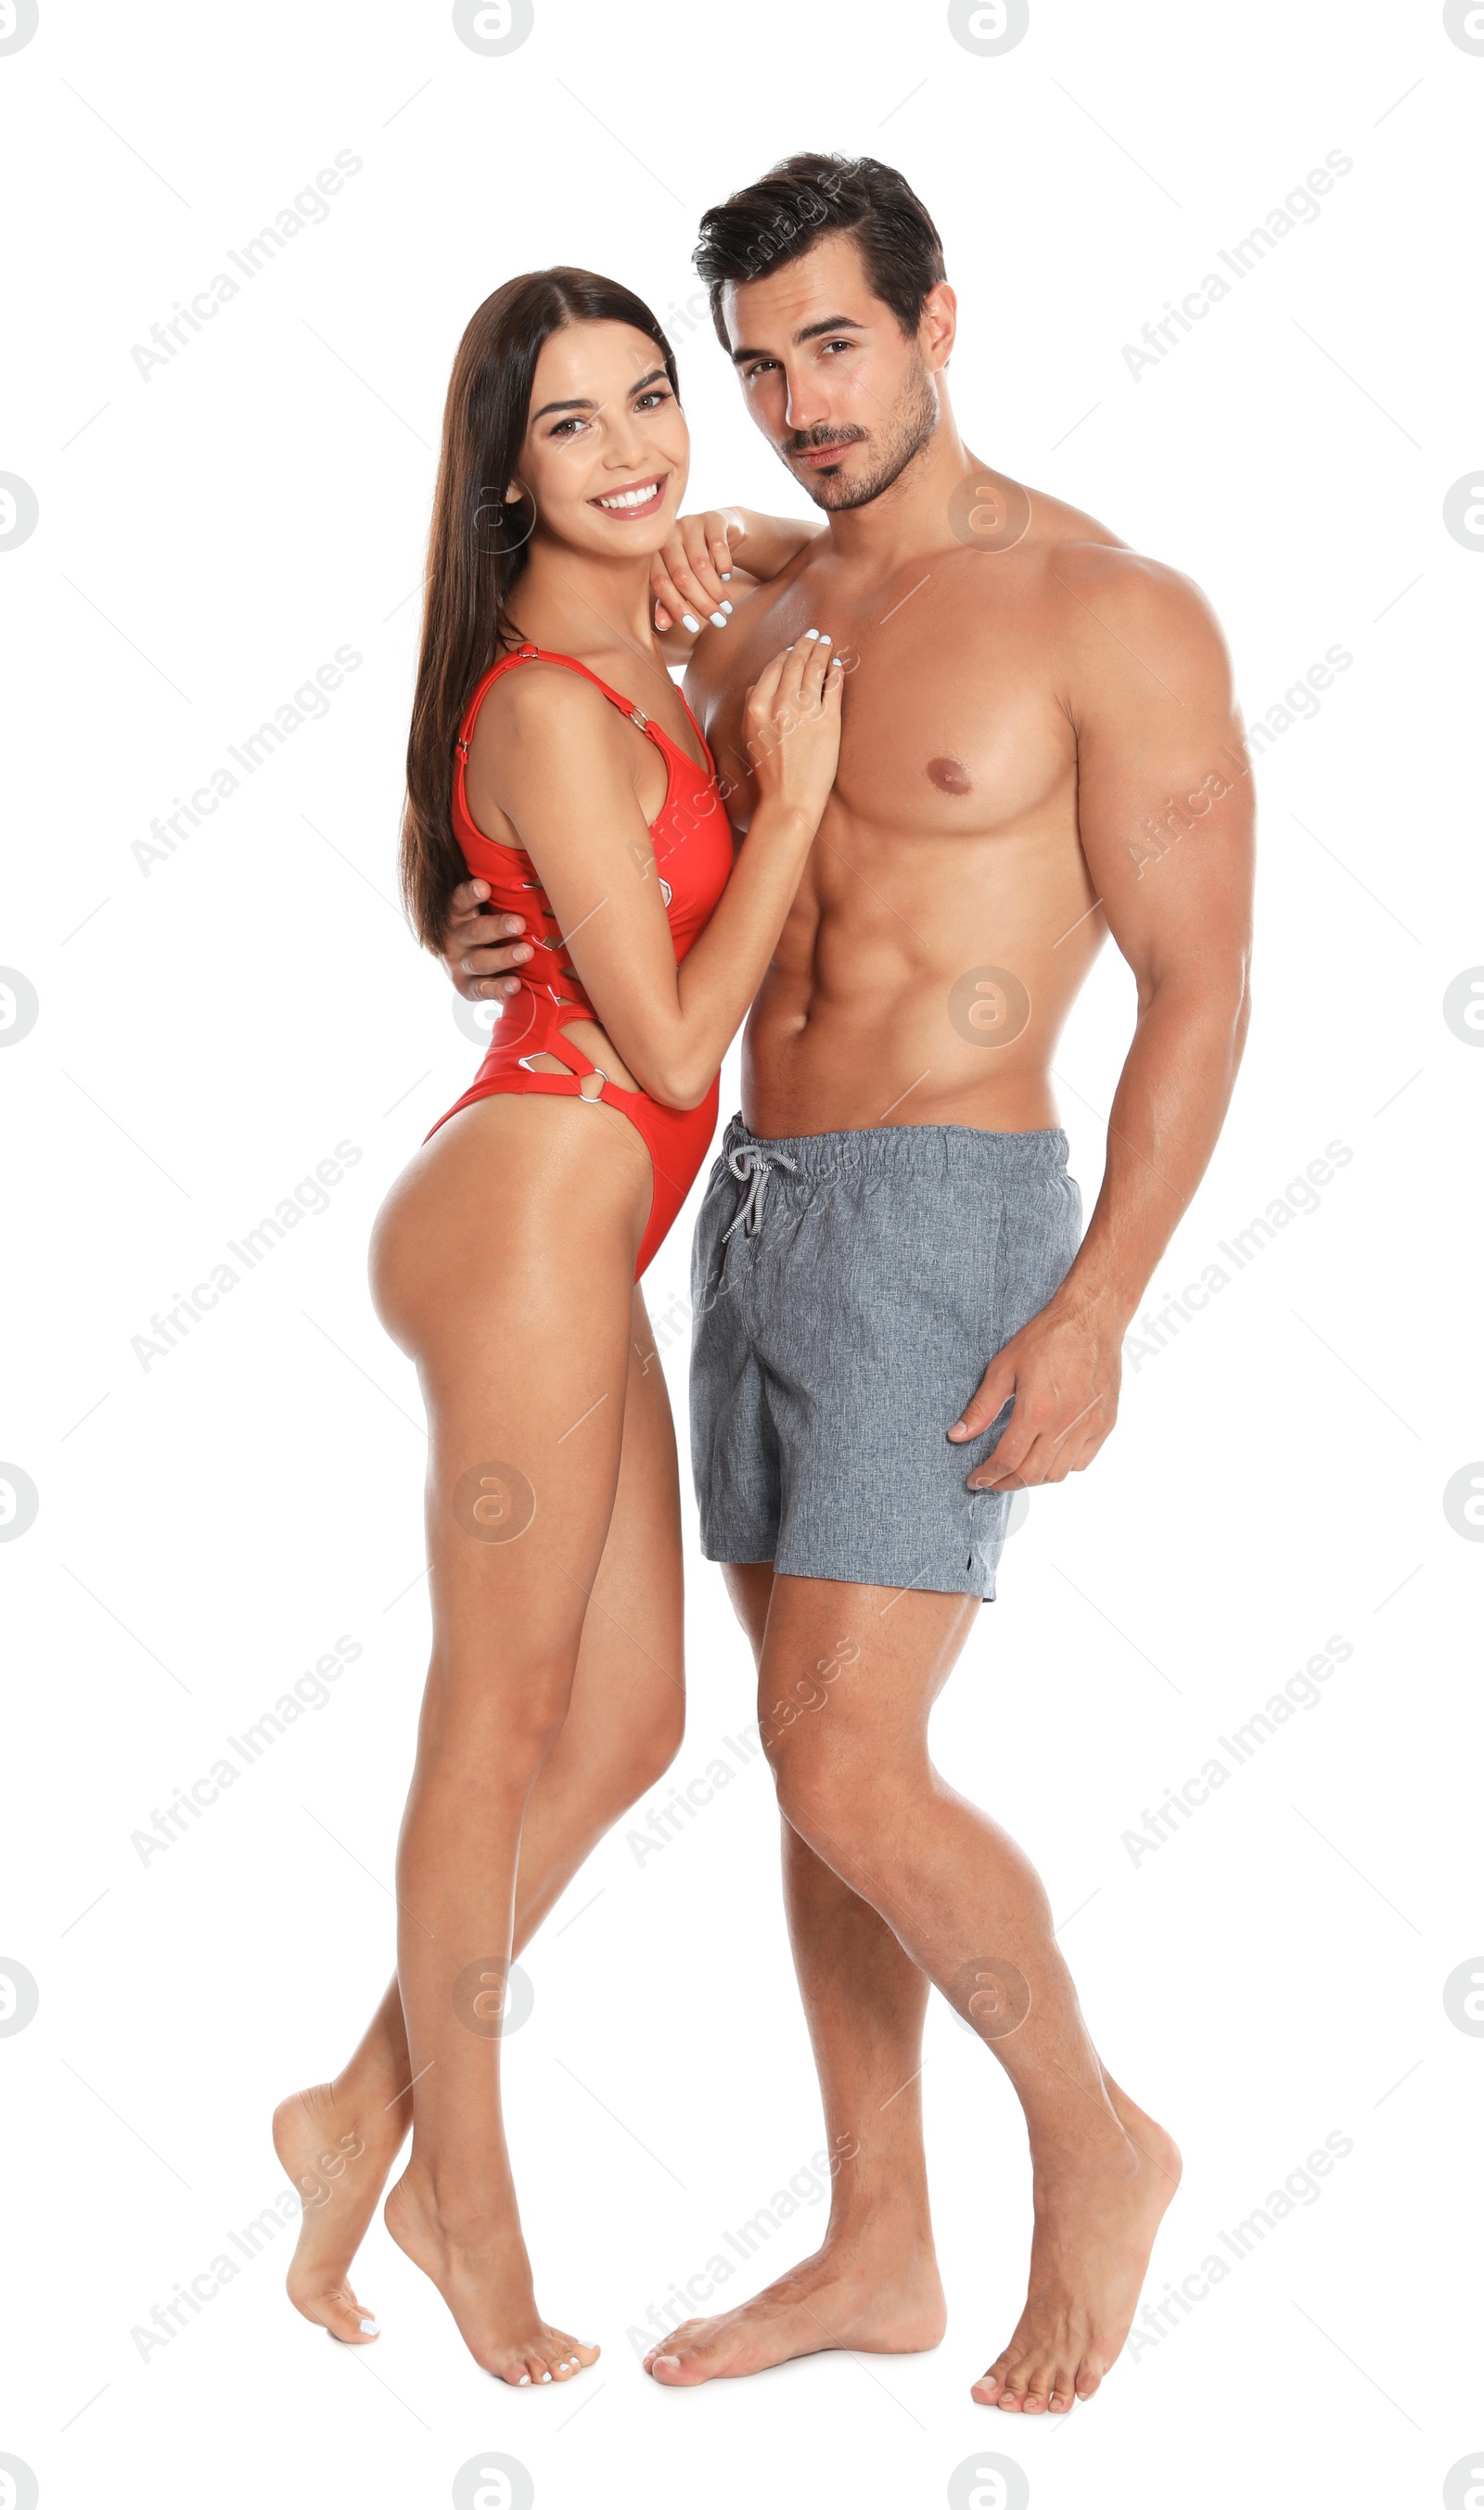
[551, 756]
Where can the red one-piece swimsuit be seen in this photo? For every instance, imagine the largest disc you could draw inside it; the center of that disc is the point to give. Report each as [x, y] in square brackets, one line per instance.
[693, 862]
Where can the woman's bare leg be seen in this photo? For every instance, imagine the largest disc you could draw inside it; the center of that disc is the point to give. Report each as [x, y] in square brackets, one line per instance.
[339, 2140]
[545, 1712]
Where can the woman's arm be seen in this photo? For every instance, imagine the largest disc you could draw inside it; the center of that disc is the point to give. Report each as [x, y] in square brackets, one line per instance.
[710, 560]
[557, 761]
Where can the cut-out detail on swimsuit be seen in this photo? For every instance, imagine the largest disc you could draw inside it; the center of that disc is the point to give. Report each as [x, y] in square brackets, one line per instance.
[693, 842]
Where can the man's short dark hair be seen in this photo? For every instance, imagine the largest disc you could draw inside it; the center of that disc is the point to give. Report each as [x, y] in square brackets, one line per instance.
[809, 196]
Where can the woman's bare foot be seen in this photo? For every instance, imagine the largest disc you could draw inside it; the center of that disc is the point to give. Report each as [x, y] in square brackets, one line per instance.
[338, 2161]
[875, 2295]
[482, 2271]
[1095, 2226]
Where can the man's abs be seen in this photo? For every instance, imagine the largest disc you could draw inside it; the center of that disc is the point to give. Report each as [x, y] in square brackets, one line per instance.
[923, 978]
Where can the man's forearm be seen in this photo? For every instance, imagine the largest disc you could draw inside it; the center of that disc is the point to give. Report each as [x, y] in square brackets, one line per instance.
[767, 541]
[1167, 1111]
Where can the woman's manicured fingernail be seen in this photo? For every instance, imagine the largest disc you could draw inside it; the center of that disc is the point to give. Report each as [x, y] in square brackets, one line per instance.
[826, 640]
[717, 620]
[726, 605]
[727, 578]
[687, 620]
[813, 633]
[368, 2327]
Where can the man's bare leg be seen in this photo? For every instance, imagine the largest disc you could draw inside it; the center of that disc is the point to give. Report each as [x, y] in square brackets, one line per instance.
[339, 2140]
[855, 1782]
[873, 2284]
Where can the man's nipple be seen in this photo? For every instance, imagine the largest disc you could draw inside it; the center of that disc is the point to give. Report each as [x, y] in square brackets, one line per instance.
[949, 776]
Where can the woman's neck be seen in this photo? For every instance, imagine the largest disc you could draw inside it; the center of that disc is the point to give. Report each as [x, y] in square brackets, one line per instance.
[576, 603]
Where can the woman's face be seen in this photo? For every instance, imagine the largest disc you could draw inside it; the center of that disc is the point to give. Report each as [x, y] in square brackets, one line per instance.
[606, 450]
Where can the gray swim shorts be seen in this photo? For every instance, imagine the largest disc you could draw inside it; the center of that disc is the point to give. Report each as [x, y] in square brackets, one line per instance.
[849, 1291]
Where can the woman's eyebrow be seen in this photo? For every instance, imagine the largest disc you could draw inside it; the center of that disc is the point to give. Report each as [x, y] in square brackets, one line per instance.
[656, 375]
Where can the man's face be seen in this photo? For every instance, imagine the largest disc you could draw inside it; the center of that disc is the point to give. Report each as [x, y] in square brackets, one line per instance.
[844, 397]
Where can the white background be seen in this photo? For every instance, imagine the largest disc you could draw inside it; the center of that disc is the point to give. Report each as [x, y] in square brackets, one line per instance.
[208, 1031]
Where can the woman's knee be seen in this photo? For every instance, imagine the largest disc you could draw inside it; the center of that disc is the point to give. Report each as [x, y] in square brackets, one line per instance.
[496, 1719]
[646, 1752]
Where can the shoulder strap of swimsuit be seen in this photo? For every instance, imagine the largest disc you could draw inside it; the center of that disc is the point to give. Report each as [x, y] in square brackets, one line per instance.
[569, 663]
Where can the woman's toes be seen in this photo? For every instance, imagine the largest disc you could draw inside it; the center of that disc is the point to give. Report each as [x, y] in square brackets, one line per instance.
[348, 2320]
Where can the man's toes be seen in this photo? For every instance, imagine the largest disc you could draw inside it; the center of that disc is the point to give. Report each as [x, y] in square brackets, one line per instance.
[1089, 2379]
[1063, 2395]
[672, 2345]
[686, 2366]
[1038, 2392]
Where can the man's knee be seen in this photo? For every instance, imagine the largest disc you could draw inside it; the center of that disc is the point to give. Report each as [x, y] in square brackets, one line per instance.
[835, 1795]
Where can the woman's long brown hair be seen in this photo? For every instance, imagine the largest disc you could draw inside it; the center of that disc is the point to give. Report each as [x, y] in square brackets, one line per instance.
[476, 552]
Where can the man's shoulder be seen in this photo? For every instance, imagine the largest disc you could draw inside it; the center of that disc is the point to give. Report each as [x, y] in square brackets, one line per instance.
[1087, 560]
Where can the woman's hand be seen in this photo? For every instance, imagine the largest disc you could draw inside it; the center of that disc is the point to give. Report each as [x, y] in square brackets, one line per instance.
[688, 576]
[792, 727]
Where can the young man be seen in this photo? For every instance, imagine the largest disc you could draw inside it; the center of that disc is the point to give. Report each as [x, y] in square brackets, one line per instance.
[897, 1326]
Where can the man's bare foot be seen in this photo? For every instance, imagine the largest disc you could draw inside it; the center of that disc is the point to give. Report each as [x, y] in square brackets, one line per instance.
[1095, 2226]
[483, 2273]
[873, 2297]
[339, 2163]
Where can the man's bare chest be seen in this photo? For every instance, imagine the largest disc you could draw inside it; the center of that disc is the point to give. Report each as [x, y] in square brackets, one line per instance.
[953, 721]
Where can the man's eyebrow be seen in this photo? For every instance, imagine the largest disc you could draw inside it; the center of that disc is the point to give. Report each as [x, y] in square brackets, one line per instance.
[653, 376]
[811, 332]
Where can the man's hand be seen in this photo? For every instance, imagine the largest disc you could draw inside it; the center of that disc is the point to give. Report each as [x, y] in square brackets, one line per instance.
[1062, 1371]
[479, 949]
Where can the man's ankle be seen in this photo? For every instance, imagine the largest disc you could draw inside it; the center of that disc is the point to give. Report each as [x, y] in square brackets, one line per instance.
[885, 2221]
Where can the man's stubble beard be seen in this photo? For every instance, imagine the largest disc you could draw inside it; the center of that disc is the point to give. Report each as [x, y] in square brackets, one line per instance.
[913, 422]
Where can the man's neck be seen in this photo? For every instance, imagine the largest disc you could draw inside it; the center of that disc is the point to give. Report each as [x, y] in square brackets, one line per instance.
[909, 518]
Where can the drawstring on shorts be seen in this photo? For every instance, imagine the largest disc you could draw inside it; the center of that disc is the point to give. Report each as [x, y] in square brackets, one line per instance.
[751, 1166]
